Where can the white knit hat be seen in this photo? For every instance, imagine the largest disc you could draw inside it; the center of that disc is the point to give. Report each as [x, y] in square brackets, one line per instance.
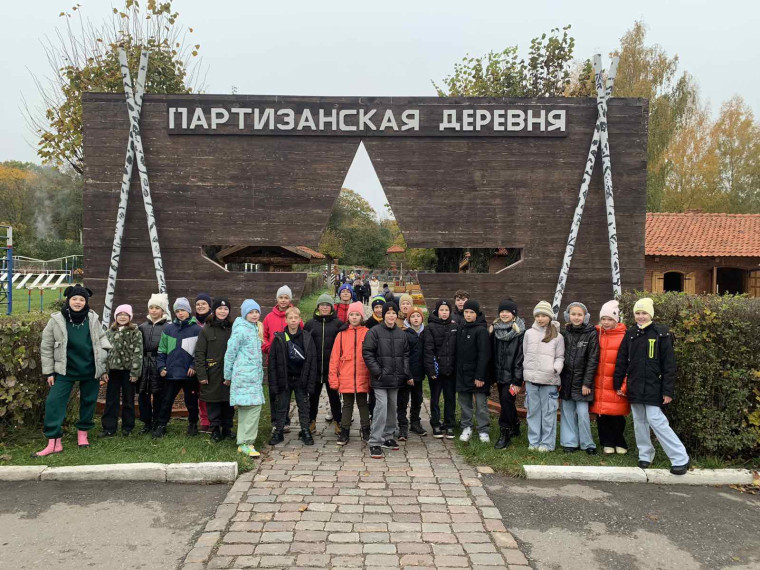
[159, 300]
[610, 309]
[543, 308]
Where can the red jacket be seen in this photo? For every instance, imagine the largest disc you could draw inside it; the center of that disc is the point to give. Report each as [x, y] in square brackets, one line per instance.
[274, 322]
[341, 310]
[606, 400]
[348, 372]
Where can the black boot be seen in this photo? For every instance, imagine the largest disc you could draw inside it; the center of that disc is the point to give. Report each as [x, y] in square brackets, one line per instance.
[343, 437]
[305, 436]
[147, 428]
[504, 438]
[216, 434]
[159, 432]
[192, 429]
[227, 433]
[365, 434]
[277, 437]
[417, 428]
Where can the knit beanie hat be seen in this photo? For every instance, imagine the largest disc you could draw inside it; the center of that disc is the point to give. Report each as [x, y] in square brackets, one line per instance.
[324, 299]
[646, 304]
[159, 300]
[182, 304]
[356, 307]
[284, 290]
[390, 307]
[406, 297]
[220, 302]
[611, 309]
[508, 305]
[123, 309]
[543, 308]
[439, 304]
[74, 290]
[248, 306]
[378, 301]
[346, 287]
[472, 305]
[203, 297]
[416, 310]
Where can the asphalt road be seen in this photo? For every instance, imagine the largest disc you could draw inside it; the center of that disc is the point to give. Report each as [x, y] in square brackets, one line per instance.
[614, 526]
[71, 525]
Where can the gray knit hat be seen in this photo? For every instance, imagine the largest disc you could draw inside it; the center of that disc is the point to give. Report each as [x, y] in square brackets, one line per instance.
[324, 299]
[182, 304]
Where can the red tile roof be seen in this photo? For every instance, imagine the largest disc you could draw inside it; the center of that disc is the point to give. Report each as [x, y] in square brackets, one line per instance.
[699, 234]
[395, 249]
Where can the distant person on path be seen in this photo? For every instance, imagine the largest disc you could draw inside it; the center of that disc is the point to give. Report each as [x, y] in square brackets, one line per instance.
[374, 285]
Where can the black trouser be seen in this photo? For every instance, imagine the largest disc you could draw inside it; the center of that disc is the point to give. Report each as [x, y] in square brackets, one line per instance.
[220, 414]
[283, 405]
[448, 386]
[189, 387]
[611, 431]
[508, 418]
[403, 401]
[273, 409]
[348, 409]
[371, 401]
[150, 406]
[332, 396]
[119, 387]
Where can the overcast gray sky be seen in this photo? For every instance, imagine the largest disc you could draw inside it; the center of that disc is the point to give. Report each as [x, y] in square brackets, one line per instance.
[390, 48]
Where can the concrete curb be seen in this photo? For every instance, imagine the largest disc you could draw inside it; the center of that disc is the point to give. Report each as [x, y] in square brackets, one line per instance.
[637, 475]
[211, 472]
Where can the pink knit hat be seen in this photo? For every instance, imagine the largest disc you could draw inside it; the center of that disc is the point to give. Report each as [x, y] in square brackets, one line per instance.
[356, 307]
[611, 309]
[124, 309]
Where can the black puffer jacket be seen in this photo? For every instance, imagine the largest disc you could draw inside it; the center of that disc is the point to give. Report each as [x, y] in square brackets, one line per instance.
[507, 350]
[458, 318]
[386, 354]
[278, 364]
[323, 330]
[440, 346]
[647, 358]
[581, 360]
[417, 352]
[150, 380]
[473, 355]
[209, 359]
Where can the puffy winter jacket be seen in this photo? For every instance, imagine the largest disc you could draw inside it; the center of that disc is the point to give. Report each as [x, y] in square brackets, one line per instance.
[606, 399]
[386, 354]
[274, 322]
[507, 347]
[542, 361]
[473, 356]
[209, 359]
[278, 364]
[581, 358]
[150, 380]
[348, 372]
[126, 349]
[416, 350]
[440, 347]
[647, 358]
[176, 349]
[244, 364]
[372, 321]
[55, 338]
[341, 311]
[323, 329]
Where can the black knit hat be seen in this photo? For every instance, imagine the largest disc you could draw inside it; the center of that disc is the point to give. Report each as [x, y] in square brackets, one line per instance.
[204, 297]
[472, 305]
[390, 307]
[439, 304]
[508, 305]
[220, 302]
[377, 301]
[74, 290]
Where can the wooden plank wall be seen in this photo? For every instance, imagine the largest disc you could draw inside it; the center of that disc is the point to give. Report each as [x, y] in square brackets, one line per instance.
[444, 191]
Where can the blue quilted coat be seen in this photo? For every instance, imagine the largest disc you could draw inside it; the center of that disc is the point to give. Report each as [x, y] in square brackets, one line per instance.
[243, 365]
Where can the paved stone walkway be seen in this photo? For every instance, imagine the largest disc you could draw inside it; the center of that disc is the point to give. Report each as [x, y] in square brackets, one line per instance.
[332, 507]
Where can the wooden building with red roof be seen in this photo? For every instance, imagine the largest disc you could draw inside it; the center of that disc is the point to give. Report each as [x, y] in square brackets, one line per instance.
[697, 252]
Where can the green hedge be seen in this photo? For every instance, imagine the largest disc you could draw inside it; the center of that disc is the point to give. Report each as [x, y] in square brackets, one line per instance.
[22, 389]
[716, 409]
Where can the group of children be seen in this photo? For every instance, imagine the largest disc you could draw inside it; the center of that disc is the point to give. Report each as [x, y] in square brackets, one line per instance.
[377, 364]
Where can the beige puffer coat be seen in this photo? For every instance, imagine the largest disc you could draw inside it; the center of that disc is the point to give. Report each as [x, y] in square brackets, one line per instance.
[543, 361]
[55, 339]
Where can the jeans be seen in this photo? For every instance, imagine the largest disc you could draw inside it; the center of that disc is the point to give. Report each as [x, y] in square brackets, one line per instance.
[332, 396]
[482, 415]
[611, 431]
[645, 417]
[220, 414]
[403, 402]
[120, 392]
[384, 417]
[542, 402]
[445, 385]
[283, 405]
[575, 425]
[508, 418]
[348, 409]
[58, 398]
[189, 387]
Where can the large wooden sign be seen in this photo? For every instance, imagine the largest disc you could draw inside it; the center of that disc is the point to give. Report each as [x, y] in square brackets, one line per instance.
[457, 172]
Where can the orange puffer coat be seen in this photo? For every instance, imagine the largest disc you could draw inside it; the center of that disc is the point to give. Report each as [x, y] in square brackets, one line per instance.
[348, 373]
[606, 400]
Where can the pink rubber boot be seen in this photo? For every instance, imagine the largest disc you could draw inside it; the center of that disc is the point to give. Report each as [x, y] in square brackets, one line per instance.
[53, 446]
[82, 438]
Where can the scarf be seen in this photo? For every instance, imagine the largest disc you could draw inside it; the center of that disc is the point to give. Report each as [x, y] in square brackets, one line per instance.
[508, 331]
[75, 317]
[202, 318]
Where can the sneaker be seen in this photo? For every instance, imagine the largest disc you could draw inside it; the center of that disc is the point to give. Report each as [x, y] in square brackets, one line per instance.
[305, 436]
[365, 434]
[192, 430]
[159, 432]
[403, 433]
[376, 452]
[146, 429]
[590, 451]
[466, 434]
[391, 444]
[621, 450]
[450, 433]
[571, 449]
[107, 434]
[437, 432]
[277, 437]
[484, 437]
[329, 417]
[645, 464]
[608, 450]
[532, 448]
[286, 429]
[216, 434]
[543, 449]
[418, 429]
[248, 450]
[680, 469]
[126, 432]
[206, 428]
[343, 437]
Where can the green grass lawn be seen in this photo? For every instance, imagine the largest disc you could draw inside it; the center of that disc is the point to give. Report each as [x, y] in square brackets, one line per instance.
[21, 301]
